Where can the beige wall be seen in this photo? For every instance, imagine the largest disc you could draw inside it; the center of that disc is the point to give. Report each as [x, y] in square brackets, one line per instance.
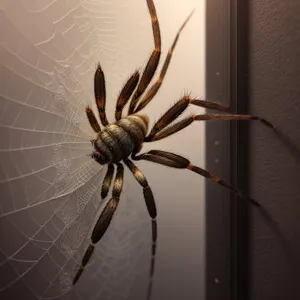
[50, 188]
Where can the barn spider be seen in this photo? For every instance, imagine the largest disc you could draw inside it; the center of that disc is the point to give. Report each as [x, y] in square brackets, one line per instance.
[117, 141]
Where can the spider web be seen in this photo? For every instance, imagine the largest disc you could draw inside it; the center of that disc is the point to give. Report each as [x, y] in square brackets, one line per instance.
[49, 186]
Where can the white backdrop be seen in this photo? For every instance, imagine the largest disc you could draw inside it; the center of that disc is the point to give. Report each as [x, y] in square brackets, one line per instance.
[50, 188]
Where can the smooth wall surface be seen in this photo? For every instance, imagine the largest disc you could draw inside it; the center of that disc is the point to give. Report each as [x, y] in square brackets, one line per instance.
[274, 65]
[49, 186]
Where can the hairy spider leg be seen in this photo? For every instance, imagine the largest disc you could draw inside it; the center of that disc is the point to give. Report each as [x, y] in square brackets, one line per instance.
[150, 203]
[104, 220]
[106, 184]
[92, 119]
[153, 60]
[180, 106]
[100, 94]
[155, 87]
[126, 93]
[173, 160]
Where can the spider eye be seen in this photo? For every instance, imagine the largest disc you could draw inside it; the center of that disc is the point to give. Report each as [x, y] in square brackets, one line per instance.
[96, 155]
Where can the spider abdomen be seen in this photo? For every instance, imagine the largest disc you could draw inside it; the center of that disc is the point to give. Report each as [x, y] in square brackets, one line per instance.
[117, 141]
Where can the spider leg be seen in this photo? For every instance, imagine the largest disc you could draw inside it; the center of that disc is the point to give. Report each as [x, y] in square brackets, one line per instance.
[179, 107]
[104, 220]
[141, 179]
[100, 94]
[125, 93]
[172, 160]
[153, 60]
[187, 121]
[150, 203]
[207, 117]
[209, 105]
[169, 116]
[92, 119]
[170, 130]
[155, 87]
[107, 180]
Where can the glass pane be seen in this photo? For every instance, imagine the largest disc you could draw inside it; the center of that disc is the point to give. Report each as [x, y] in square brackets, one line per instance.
[51, 188]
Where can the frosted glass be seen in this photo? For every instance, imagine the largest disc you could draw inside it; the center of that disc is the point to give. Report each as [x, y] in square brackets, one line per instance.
[50, 187]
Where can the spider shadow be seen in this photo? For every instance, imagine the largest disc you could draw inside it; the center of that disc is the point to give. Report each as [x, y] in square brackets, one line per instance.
[289, 143]
[292, 258]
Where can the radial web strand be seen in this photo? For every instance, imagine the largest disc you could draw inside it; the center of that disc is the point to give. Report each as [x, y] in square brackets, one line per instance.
[49, 186]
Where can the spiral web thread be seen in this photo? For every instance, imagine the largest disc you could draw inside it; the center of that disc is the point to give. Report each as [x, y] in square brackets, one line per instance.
[49, 187]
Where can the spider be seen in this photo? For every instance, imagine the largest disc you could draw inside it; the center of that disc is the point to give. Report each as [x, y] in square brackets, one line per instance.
[118, 141]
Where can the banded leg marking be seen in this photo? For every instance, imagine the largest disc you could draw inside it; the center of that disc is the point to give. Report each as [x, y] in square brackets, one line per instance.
[103, 221]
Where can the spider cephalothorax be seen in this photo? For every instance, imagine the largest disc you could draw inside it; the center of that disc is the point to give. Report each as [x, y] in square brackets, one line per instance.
[118, 141]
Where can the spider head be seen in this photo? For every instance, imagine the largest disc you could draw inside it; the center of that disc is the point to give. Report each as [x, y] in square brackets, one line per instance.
[98, 155]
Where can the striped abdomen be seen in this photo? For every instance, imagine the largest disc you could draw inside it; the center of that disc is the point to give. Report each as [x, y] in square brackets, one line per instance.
[118, 140]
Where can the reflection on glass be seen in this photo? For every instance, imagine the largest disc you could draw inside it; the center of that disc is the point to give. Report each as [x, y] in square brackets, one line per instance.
[50, 187]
